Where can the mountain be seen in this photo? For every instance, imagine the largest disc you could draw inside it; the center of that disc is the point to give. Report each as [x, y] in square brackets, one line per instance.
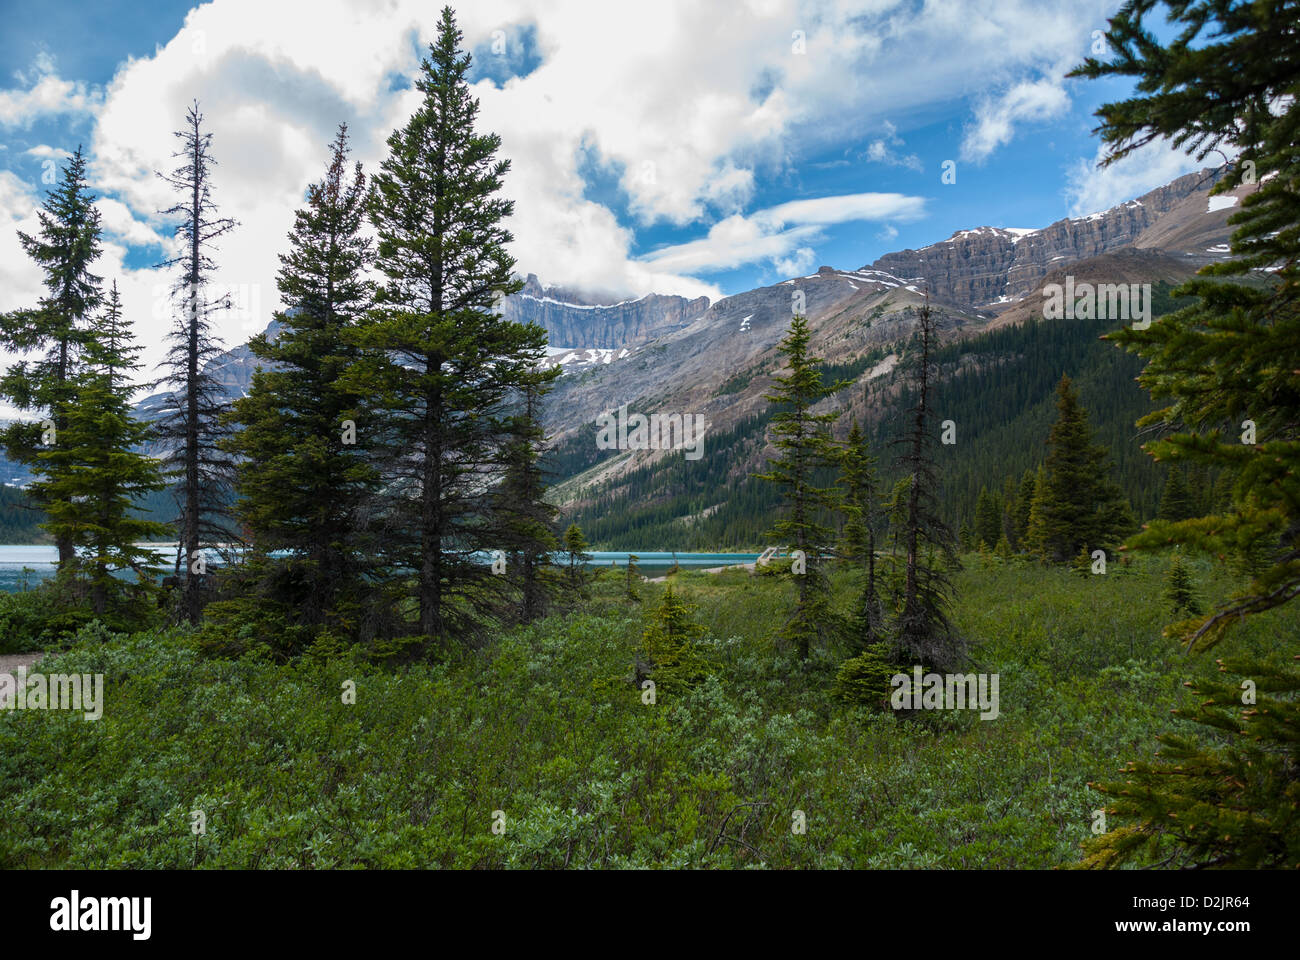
[574, 320]
[671, 354]
[990, 266]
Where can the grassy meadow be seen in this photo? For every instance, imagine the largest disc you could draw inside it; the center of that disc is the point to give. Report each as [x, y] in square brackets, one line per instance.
[542, 735]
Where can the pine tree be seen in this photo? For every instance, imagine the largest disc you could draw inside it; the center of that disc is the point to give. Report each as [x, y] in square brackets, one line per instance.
[1180, 591]
[97, 477]
[1007, 507]
[1226, 799]
[1003, 550]
[1081, 565]
[924, 632]
[65, 248]
[858, 477]
[305, 478]
[1225, 84]
[669, 640]
[526, 520]
[1077, 504]
[988, 521]
[1175, 502]
[444, 361]
[191, 429]
[1024, 503]
[575, 545]
[804, 446]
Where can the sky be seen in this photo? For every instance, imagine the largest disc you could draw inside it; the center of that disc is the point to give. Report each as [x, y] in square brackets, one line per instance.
[695, 147]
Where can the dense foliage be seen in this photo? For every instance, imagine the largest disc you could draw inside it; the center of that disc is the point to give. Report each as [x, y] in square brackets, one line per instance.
[409, 775]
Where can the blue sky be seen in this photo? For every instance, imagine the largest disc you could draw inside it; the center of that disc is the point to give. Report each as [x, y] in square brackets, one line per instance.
[694, 148]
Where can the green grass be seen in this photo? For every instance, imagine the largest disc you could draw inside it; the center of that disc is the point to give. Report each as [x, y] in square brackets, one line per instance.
[543, 727]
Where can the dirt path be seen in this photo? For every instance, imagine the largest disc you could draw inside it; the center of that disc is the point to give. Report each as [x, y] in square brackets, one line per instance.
[9, 662]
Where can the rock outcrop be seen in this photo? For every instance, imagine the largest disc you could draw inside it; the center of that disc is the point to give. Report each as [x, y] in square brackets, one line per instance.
[572, 320]
[994, 265]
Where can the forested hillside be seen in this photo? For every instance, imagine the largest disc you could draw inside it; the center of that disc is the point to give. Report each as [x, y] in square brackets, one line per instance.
[999, 389]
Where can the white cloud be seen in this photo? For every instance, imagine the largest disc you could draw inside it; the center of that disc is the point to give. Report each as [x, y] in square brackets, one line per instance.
[44, 151]
[777, 232]
[884, 150]
[20, 284]
[996, 117]
[797, 265]
[1091, 188]
[118, 222]
[691, 106]
[47, 94]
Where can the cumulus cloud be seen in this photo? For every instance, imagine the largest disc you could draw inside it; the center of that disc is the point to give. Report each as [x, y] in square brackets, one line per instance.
[46, 94]
[690, 106]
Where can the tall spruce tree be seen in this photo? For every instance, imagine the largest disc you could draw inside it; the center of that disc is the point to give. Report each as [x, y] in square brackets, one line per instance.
[923, 629]
[98, 477]
[1077, 505]
[65, 248]
[1176, 501]
[804, 447]
[988, 519]
[191, 428]
[858, 477]
[446, 360]
[305, 478]
[526, 520]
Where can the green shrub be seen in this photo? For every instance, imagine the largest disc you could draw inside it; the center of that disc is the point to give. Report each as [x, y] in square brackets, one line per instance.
[865, 678]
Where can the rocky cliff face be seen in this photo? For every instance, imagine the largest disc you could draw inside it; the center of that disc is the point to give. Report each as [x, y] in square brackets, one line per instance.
[571, 320]
[992, 265]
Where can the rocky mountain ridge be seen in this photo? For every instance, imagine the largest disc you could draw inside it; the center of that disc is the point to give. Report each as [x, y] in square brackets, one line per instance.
[991, 266]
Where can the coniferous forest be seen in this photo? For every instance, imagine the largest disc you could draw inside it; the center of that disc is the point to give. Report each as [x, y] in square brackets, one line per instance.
[1029, 607]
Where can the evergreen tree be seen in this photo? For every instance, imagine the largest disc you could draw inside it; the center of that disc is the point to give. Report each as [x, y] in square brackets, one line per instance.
[669, 640]
[527, 521]
[1024, 503]
[1226, 799]
[1077, 505]
[444, 362]
[1175, 502]
[988, 519]
[1180, 591]
[858, 477]
[65, 248]
[804, 446]
[191, 429]
[1225, 84]
[1003, 550]
[575, 545]
[305, 480]
[1007, 506]
[924, 632]
[97, 477]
